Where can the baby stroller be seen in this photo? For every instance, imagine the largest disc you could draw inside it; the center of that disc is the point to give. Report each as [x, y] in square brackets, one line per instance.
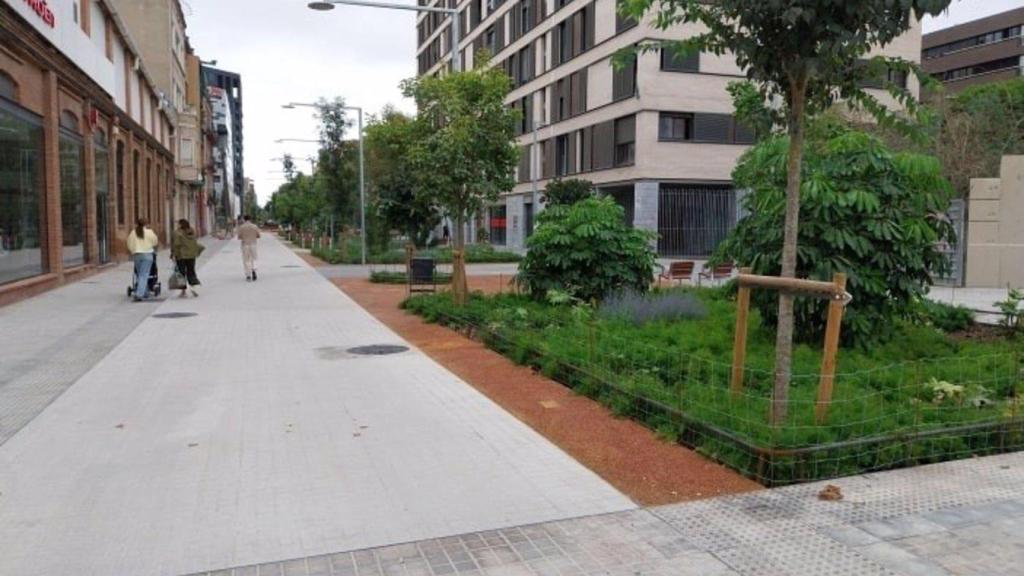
[154, 281]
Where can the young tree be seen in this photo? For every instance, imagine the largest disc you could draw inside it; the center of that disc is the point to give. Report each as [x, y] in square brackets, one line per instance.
[465, 153]
[805, 54]
[395, 198]
[337, 172]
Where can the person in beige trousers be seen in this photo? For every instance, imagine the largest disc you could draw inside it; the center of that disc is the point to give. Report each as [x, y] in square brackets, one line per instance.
[248, 234]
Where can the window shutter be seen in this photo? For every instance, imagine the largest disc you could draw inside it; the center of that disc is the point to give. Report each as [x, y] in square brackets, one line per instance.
[624, 81]
[578, 25]
[586, 149]
[604, 145]
[625, 130]
[556, 46]
[744, 134]
[588, 38]
[499, 34]
[712, 127]
[549, 158]
[573, 163]
[524, 164]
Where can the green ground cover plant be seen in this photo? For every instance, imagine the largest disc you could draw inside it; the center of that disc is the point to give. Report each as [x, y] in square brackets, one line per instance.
[925, 395]
[475, 254]
[400, 277]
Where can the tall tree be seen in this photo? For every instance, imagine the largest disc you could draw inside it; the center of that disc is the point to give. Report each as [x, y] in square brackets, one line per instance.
[396, 200]
[465, 153]
[804, 54]
[337, 172]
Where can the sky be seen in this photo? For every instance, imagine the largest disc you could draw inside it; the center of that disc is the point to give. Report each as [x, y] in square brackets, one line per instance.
[286, 52]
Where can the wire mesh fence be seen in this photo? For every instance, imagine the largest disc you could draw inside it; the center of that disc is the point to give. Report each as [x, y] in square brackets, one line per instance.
[892, 416]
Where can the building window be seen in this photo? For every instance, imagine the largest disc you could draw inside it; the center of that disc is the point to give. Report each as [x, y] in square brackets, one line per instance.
[625, 141]
[8, 88]
[137, 185]
[562, 155]
[1013, 62]
[72, 196]
[76, 10]
[622, 23]
[119, 182]
[101, 172]
[498, 225]
[186, 153]
[21, 193]
[673, 62]
[675, 127]
[624, 81]
[973, 41]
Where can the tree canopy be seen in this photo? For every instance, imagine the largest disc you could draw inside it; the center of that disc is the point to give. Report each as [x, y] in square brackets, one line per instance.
[805, 55]
[465, 153]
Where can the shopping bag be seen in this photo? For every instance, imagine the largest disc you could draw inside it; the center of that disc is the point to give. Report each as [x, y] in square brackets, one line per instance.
[176, 281]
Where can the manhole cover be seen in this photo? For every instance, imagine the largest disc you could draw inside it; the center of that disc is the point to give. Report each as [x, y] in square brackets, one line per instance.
[291, 266]
[175, 315]
[378, 349]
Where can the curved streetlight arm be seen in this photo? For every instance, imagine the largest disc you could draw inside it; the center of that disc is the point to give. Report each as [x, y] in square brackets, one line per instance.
[452, 12]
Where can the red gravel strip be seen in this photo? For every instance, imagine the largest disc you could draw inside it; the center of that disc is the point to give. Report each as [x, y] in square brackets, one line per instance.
[624, 453]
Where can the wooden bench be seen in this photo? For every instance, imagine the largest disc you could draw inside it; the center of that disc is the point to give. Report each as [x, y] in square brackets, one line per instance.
[719, 272]
[677, 272]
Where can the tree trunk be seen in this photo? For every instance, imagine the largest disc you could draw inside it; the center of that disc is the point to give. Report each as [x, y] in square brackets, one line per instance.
[459, 286]
[784, 334]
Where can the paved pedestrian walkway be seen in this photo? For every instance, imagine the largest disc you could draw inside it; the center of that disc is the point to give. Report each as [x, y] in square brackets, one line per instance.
[957, 518]
[240, 430]
[48, 342]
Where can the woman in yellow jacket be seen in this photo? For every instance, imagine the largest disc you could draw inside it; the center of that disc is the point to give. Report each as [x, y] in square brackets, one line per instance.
[142, 244]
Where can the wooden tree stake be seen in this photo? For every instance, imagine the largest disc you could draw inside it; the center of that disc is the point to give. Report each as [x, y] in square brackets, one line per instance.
[828, 359]
[739, 350]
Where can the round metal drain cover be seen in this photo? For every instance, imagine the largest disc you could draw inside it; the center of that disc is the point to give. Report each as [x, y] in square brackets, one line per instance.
[378, 349]
[291, 266]
[175, 315]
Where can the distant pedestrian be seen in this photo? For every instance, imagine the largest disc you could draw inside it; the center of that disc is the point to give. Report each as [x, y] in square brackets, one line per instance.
[446, 234]
[185, 249]
[248, 234]
[142, 244]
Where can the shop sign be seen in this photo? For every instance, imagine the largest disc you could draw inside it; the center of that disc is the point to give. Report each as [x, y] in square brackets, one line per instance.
[43, 11]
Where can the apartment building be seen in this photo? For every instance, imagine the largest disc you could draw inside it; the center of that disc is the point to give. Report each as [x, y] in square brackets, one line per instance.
[230, 85]
[160, 27]
[659, 135]
[85, 143]
[977, 52]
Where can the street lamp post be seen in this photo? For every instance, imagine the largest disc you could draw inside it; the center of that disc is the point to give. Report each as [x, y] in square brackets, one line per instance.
[452, 12]
[362, 171]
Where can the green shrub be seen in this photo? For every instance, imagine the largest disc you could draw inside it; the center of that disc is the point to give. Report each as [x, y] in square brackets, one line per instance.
[567, 192]
[865, 211]
[587, 250]
[946, 317]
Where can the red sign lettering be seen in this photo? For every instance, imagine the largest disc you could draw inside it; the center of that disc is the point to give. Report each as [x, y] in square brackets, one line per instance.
[43, 11]
[498, 222]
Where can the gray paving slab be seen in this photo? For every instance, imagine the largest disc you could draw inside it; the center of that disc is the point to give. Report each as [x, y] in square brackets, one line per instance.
[245, 435]
[48, 342]
[954, 518]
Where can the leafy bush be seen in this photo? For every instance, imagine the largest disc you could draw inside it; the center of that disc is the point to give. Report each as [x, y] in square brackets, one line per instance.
[587, 250]
[389, 277]
[645, 308]
[865, 211]
[474, 254]
[1010, 310]
[567, 192]
[946, 317]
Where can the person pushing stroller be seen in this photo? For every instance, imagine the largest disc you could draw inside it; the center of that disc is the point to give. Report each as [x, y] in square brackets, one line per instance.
[142, 244]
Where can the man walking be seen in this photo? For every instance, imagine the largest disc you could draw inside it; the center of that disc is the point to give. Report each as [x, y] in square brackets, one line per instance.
[248, 234]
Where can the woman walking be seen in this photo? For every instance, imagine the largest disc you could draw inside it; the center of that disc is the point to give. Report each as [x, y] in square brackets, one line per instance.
[185, 249]
[142, 243]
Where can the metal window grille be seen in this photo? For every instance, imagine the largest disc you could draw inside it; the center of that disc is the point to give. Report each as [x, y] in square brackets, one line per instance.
[694, 219]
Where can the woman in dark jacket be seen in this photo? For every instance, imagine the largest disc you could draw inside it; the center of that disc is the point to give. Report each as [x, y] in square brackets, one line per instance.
[185, 249]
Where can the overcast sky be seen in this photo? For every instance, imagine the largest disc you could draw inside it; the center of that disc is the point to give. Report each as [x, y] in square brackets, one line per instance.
[286, 52]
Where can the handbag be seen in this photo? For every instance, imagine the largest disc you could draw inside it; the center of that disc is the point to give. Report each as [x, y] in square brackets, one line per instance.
[176, 281]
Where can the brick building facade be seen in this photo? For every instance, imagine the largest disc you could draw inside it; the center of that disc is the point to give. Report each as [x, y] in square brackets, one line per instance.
[84, 144]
